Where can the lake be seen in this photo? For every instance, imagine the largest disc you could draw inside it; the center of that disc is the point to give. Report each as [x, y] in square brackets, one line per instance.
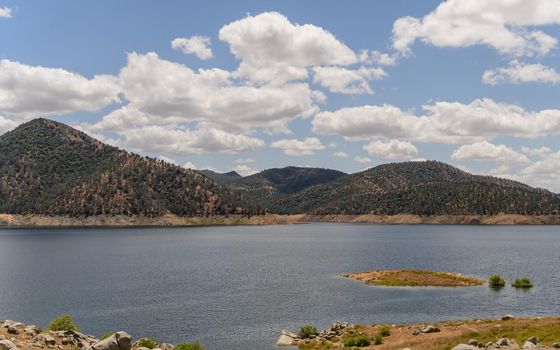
[238, 287]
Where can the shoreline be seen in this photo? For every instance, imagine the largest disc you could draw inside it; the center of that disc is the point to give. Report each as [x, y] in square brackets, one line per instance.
[170, 220]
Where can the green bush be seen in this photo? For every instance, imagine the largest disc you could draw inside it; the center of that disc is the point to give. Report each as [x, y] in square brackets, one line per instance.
[385, 331]
[496, 281]
[307, 331]
[62, 323]
[189, 346]
[359, 341]
[147, 343]
[522, 283]
[378, 339]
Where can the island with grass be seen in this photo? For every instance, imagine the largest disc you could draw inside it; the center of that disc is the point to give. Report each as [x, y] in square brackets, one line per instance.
[414, 278]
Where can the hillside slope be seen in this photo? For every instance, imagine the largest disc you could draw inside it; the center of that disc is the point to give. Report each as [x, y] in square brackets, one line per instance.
[272, 185]
[221, 178]
[420, 188]
[49, 168]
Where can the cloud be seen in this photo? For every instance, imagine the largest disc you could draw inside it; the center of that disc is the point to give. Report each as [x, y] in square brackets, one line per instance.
[245, 160]
[487, 151]
[540, 152]
[5, 12]
[168, 160]
[362, 160]
[35, 91]
[299, 148]
[392, 149]
[197, 45]
[271, 48]
[189, 165]
[244, 170]
[442, 122]
[347, 81]
[544, 173]
[6, 125]
[379, 58]
[508, 26]
[174, 139]
[519, 72]
[341, 154]
[170, 90]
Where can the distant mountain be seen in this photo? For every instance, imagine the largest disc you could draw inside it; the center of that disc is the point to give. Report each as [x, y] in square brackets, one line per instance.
[269, 186]
[421, 188]
[49, 168]
[221, 178]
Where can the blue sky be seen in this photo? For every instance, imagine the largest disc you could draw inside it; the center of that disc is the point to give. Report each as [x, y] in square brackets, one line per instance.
[252, 85]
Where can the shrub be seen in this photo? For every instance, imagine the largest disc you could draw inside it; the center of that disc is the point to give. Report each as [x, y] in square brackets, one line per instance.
[307, 331]
[147, 343]
[385, 331]
[359, 341]
[378, 339]
[62, 323]
[496, 281]
[522, 283]
[189, 346]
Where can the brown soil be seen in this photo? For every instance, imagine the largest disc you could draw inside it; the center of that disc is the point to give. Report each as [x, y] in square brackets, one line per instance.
[414, 278]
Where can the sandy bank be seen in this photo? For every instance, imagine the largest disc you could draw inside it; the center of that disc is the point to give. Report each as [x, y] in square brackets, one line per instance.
[36, 220]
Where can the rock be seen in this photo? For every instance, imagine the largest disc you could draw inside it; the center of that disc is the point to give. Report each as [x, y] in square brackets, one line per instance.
[473, 342]
[31, 330]
[13, 330]
[167, 346]
[533, 340]
[7, 345]
[465, 347]
[529, 345]
[44, 339]
[142, 348]
[555, 346]
[507, 317]
[430, 329]
[406, 349]
[286, 339]
[117, 341]
[416, 332]
[503, 342]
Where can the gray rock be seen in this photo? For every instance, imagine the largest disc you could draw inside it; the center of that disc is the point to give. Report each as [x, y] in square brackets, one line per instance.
[465, 347]
[555, 346]
[44, 339]
[12, 330]
[507, 317]
[117, 341]
[529, 345]
[430, 329]
[533, 340]
[31, 330]
[7, 345]
[286, 339]
[503, 342]
[167, 346]
[473, 342]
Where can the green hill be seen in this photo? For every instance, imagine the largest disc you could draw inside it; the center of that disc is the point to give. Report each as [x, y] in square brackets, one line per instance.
[221, 178]
[49, 168]
[421, 188]
[269, 186]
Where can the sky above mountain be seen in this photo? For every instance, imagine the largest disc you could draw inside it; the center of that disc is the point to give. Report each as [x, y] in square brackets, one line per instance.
[250, 85]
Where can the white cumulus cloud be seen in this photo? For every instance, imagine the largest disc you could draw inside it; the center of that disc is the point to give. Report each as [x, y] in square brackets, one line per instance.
[392, 149]
[5, 12]
[509, 26]
[295, 147]
[363, 160]
[341, 154]
[195, 45]
[347, 81]
[519, 72]
[271, 48]
[487, 151]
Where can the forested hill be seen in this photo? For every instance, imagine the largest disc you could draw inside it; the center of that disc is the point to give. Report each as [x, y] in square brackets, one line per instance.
[267, 187]
[49, 168]
[221, 178]
[421, 188]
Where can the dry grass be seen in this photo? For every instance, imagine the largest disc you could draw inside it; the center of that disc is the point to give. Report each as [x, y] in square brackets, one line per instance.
[414, 278]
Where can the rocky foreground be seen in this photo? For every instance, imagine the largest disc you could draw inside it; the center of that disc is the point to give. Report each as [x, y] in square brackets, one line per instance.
[506, 333]
[18, 336]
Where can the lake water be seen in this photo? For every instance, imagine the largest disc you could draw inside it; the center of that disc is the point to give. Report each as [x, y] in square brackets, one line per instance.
[238, 287]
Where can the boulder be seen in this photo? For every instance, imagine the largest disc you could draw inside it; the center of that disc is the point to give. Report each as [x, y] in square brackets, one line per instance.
[465, 347]
[529, 345]
[31, 330]
[286, 339]
[533, 340]
[507, 317]
[117, 341]
[13, 330]
[555, 346]
[44, 339]
[167, 346]
[7, 345]
[473, 342]
[430, 329]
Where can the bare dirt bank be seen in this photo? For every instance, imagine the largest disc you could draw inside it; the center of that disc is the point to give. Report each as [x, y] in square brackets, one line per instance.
[36, 220]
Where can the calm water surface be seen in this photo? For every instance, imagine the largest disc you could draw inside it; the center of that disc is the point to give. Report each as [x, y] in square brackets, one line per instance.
[238, 287]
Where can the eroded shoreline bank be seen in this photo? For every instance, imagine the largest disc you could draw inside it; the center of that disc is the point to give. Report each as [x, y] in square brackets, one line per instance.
[170, 220]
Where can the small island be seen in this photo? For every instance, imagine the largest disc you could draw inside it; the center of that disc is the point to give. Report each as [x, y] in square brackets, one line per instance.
[414, 278]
